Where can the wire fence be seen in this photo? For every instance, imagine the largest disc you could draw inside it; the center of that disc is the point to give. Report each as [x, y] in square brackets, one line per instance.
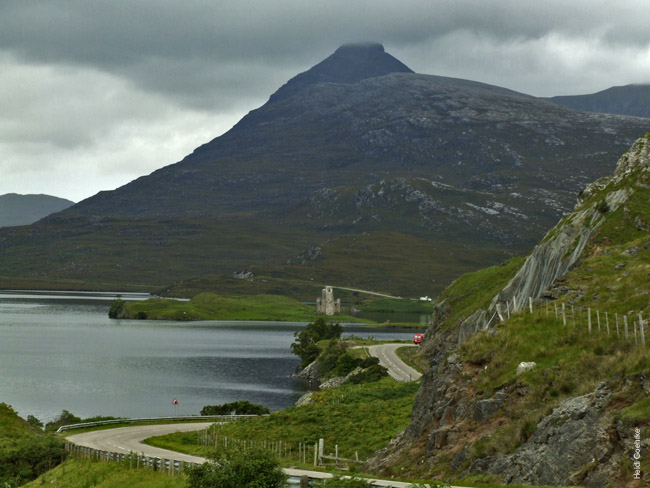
[631, 326]
[302, 452]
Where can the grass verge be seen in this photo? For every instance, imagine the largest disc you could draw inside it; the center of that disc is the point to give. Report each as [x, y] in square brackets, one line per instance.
[358, 418]
[85, 473]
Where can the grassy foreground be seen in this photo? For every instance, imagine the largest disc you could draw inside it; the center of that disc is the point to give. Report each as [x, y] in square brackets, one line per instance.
[85, 473]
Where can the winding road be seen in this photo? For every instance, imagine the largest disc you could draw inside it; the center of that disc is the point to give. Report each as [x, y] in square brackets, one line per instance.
[125, 440]
[388, 358]
[131, 439]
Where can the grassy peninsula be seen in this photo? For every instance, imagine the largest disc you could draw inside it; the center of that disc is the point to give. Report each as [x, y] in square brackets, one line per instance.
[209, 306]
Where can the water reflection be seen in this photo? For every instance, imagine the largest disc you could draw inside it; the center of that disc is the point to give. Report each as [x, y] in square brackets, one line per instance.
[60, 354]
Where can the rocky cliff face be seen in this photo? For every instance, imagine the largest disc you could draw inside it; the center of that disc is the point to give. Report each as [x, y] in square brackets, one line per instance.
[582, 440]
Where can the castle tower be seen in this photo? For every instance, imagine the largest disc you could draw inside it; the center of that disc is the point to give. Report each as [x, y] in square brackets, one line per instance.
[326, 303]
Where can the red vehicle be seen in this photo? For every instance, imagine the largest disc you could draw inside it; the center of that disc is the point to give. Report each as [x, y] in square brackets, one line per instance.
[418, 338]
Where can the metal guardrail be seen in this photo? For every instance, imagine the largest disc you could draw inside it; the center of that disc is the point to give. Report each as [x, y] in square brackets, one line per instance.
[99, 423]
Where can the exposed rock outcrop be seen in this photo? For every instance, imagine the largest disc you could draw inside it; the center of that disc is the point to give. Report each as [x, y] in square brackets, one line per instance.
[581, 441]
[576, 436]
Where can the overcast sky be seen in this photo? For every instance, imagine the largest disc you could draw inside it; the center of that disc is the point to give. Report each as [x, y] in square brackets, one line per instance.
[95, 93]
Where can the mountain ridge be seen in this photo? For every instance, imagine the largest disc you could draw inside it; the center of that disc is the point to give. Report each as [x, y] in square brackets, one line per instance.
[482, 169]
[631, 100]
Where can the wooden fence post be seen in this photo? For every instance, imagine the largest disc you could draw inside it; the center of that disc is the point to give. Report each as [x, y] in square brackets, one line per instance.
[530, 304]
[625, 323]
[641, 329]
[321, 449]
[598, 319]
[607, 323]
[573, 316]
[617, 332]
[563, 315]
[589, 319]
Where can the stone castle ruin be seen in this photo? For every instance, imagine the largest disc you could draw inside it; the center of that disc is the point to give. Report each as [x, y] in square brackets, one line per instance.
[326, 304]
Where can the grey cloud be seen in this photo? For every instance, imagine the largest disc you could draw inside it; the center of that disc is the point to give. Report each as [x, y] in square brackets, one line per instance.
[90, 87]
[154, 43]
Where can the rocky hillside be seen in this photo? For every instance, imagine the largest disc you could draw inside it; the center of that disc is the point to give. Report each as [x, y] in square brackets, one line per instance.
[357, 146]
[569, 416]
[624, 100]
[26, 209]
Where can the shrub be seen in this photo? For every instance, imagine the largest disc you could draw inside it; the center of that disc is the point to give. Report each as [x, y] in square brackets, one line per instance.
[242, 407]
[64, 418]
[368, 375]
[346, 364]
[27, 458]
[602, 206]
[338, 482]
[116, 309]
[369, 361]
[256, 468]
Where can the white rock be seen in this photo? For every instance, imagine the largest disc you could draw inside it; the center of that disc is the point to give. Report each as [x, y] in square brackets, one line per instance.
[524, 367]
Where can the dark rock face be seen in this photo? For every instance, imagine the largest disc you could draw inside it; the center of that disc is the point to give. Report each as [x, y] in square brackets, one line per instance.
[574, 436]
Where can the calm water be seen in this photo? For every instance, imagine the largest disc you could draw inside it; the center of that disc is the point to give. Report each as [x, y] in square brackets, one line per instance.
[62, 352]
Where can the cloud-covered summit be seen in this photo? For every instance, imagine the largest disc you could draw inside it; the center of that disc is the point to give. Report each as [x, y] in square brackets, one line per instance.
[97, 93]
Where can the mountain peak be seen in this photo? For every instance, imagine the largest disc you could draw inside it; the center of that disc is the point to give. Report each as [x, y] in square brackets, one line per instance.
[350, 63]
[360, 48]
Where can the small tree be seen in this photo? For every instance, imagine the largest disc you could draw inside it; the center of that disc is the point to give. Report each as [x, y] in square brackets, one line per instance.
[117, 307]
[64, 418]
[34, 421]
[255, 468]
[306, 343]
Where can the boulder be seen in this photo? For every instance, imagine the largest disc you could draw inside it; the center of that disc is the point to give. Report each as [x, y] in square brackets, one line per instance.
[525, 366]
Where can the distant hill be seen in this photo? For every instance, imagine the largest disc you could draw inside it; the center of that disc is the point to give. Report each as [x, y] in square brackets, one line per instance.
[357, 172]
[26, 209]
[624, 100]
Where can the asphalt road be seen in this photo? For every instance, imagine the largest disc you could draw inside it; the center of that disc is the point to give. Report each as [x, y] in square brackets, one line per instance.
[130, 439]
[388, 358]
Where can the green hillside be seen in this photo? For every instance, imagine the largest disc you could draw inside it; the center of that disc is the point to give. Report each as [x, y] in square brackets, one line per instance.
[25, 452]
[477, 418]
